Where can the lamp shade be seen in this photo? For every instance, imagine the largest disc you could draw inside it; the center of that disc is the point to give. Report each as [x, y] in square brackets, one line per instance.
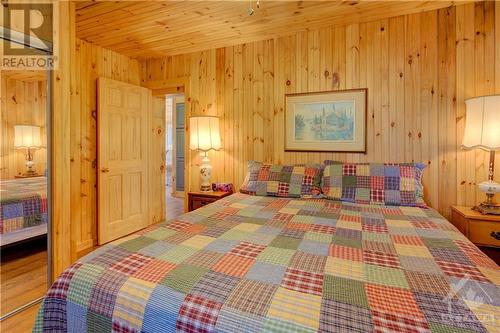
[482, 123]
[26, 136]
[204, 133]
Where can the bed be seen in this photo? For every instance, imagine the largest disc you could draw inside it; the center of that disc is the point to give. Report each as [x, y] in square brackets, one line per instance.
[23, 209]
[265, 264]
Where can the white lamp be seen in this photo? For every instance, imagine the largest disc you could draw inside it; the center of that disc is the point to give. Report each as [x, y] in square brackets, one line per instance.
[27, 137]
[204, 136]
[482, 130]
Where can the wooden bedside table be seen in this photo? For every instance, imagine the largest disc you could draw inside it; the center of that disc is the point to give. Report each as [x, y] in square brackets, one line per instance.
[197, 199]
[28, 176]
[482, 230]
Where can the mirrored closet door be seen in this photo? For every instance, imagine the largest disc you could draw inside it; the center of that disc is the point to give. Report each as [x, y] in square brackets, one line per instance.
[24, 188]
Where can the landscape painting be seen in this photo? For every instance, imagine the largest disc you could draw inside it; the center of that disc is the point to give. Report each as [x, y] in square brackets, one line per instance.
[331, 121]
[326, 121]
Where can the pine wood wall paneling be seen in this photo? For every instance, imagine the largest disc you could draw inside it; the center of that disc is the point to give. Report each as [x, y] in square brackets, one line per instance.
[419, 68]
[91, 61]
[22, 103]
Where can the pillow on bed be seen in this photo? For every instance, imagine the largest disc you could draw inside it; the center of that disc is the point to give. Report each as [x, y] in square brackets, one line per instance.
[374, 183]
[294, 181]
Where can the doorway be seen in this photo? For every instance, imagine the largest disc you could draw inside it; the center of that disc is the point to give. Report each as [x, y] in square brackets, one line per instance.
[174, 154]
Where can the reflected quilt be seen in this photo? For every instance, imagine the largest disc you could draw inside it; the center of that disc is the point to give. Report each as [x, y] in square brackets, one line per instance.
[261, 264]
[23, 203]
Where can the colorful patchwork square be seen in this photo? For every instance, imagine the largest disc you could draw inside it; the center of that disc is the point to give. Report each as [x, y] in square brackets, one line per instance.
[345, 290]
[183, 277]
[248, 250]
[233, 265]
[346, 252]
[392, 300]
[231, 320]
[428, 283]
[344, 318]
[296, 307]
[215, 286]
[198, 314]
[276, 256]
[385, 276]
[345, 268]
[308, 262]
[251, 297]
[306, 282]
[461, 270]
[381, 259]
[131, 264]
[198, 241]
[131, 302]
[204, 258]
[394, 323]
[154, 270]
[105, 291]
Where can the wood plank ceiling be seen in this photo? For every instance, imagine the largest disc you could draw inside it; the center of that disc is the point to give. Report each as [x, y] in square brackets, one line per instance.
[144, 29]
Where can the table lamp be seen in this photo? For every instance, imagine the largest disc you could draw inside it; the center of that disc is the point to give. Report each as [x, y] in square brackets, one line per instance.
[204, 136]
[482, 130]
[27, 137]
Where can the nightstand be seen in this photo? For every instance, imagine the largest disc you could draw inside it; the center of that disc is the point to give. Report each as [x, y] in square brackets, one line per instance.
[197, 199]
[482, 230]
[28, 176]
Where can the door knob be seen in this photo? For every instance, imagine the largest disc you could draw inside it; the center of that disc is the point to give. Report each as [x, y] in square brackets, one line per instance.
[104, 170]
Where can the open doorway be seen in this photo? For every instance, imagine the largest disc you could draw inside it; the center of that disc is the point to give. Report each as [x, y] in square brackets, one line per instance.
[174, 154]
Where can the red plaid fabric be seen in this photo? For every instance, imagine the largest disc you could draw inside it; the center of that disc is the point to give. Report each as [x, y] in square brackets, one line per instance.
[60, 287]
[375, 228]
[377, 195]
[264, 172]
[475, 255]
[392, 211]
[392, 323]
[407, 240]
[381, 259]
[283, 217]
[119, 327]
[306, 282]
[345, 252]
[377, 183]
[233, 265]
[307, 180]
[424, 224]
[325, 229]
[311, 171]
[299, 226]
[461, 270]
[197, 315]
[178, 225]
[392, 300]
[248, 250]
[154, 271]
[363, 181]
[283, 189]
[350, 218]
[406, 171]
[349, 169]
[131, 264]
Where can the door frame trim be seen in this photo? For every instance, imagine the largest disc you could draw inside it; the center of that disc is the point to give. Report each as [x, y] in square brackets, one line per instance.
[177, 86]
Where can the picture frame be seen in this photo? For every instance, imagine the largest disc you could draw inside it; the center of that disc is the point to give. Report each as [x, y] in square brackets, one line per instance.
[326, 121]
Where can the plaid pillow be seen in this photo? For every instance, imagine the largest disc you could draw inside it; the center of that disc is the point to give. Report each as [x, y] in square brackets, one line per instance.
[294, 181]
[374, 183]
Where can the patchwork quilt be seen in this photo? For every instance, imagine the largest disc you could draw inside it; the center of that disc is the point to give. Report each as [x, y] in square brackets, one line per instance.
[266, 264]
[23, 203]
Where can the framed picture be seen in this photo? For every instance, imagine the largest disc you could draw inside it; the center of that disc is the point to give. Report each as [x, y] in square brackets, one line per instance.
[333, 121]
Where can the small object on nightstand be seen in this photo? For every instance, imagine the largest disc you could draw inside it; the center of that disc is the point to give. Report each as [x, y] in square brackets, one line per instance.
[223, 187]
[482, 230]
[198, 199]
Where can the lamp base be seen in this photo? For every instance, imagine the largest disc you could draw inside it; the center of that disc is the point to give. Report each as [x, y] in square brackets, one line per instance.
[486, 208]
[205, 174]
